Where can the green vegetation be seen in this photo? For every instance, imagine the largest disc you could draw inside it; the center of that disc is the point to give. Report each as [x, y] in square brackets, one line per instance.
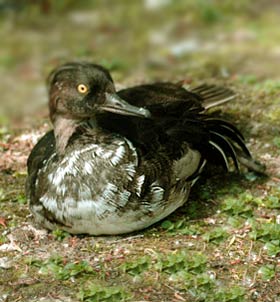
[61, 270]
[224, 243]
[98, 293]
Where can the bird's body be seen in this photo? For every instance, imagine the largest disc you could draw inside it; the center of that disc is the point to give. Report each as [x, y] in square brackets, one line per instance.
[112, 167]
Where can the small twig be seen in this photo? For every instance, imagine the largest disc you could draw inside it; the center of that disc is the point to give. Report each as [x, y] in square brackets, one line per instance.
[150, 252]
[253, 280]
[250, 249]
[176, 293]
[232, 240]
[127, 238]
[179, 297]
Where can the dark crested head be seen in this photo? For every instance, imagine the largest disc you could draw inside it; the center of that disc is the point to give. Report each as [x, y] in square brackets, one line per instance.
[78, 91]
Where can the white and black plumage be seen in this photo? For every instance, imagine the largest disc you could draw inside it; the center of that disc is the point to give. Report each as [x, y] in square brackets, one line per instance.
[119, 162]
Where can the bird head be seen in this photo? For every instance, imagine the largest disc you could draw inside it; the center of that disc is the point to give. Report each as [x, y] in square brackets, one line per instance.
[78, 91]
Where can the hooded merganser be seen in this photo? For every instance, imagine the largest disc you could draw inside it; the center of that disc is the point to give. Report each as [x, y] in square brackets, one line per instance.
[119, 162]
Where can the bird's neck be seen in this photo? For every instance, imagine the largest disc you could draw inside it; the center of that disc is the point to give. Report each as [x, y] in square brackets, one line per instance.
[63, 130]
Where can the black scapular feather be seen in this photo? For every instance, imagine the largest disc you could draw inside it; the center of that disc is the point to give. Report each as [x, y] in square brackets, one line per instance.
[180, 116]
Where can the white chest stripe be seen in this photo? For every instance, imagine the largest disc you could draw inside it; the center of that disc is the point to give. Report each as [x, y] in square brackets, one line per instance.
[119, 154]
[139, 183]
[68, 166]
[88, 169]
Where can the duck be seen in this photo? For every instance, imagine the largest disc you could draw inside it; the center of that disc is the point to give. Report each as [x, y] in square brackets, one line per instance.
[116, 162]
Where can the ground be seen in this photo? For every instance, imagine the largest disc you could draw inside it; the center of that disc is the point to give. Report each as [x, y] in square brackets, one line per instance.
[224, 243]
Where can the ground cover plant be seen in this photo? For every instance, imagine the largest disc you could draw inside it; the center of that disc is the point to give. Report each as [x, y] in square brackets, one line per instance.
[224, 243]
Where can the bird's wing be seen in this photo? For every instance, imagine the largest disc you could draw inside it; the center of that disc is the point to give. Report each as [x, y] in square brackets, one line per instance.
[39, 154]
[213, 95]
[158, 93]
[180, 116]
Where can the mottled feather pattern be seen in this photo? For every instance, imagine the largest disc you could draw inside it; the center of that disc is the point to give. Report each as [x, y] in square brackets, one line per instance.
[128, 159]
[112, 186]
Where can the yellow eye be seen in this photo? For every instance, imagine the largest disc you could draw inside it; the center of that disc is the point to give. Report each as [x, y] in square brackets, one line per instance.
[82, 88]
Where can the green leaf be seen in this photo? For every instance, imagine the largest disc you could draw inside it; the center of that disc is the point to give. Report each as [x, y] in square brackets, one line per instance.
[273, 248]
[241, 206]
[236, 221]
[276, 141]
[272, 202]
[136, 267]
[182, 261]
[96, 293]
[167, 225]
[60, 234]
[235, 294]
[73, 269]
[266, 232]
[60, 270]
[216, 235]
[267, 272]
[21, 199]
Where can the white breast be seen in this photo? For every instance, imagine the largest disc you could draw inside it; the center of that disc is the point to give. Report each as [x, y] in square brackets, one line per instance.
[187, 164]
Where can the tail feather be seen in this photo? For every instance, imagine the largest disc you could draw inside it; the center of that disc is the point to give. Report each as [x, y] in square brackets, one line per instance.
[227, 147]
[229, 143]
[225, 138]
[231, 132]
[225, 124]
[217, 140]
[221, 152]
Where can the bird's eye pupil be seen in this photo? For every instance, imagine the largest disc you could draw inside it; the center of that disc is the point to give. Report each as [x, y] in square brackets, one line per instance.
[82, 88]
